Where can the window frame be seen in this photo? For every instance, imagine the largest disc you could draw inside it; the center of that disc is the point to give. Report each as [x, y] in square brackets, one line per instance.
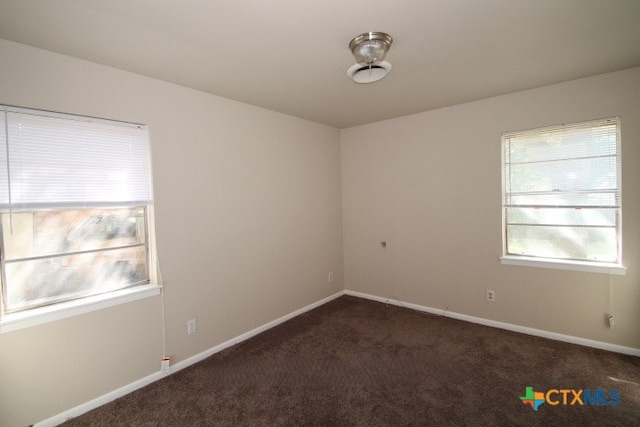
[15, 320]
[612, 268]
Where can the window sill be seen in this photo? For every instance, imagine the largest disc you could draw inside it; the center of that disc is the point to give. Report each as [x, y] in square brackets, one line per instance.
[39, 316]
[603, 268]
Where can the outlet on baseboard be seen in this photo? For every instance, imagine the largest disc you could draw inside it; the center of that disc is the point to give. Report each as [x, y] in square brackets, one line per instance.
[164, 364]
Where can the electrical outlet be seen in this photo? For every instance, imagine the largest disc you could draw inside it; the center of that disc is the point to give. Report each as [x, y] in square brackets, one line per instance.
[330, 277]
[191, 326]
[612, 323]
[491, 295]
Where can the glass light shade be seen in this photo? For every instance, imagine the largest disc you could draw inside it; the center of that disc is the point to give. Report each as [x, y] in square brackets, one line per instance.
[370, 48]
[370, 52]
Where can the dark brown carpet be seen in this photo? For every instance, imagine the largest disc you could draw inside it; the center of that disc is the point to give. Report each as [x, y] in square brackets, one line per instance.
[354, 362]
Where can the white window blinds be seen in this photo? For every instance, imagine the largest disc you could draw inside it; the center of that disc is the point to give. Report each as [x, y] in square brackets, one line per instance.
[576, 165]
[64, 161]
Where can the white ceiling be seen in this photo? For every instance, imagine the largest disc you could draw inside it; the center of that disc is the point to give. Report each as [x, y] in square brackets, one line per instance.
[291, 56]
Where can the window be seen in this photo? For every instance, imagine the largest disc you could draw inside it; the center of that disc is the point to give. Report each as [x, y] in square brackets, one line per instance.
[75, 208]
[561, 195]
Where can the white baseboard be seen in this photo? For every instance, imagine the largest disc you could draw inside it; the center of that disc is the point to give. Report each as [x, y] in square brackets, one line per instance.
[115, 394]
[99, 401]
[502, 325]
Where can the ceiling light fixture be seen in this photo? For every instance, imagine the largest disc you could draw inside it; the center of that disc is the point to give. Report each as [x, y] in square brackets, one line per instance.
[369, 49]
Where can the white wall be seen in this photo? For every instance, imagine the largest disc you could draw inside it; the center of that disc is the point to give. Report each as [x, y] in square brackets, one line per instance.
[430, 185]
[248, 215]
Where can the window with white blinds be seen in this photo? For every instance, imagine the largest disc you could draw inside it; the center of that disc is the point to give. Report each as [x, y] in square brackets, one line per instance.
[75, 207]
[561, 193]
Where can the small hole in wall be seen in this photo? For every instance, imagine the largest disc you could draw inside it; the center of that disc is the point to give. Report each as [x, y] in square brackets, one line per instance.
[383, 244]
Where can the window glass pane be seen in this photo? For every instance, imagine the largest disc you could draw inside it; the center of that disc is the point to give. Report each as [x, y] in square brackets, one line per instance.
[586, 243]
[42, 281]
[561, 216]
[58, 232]
[568, 175]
